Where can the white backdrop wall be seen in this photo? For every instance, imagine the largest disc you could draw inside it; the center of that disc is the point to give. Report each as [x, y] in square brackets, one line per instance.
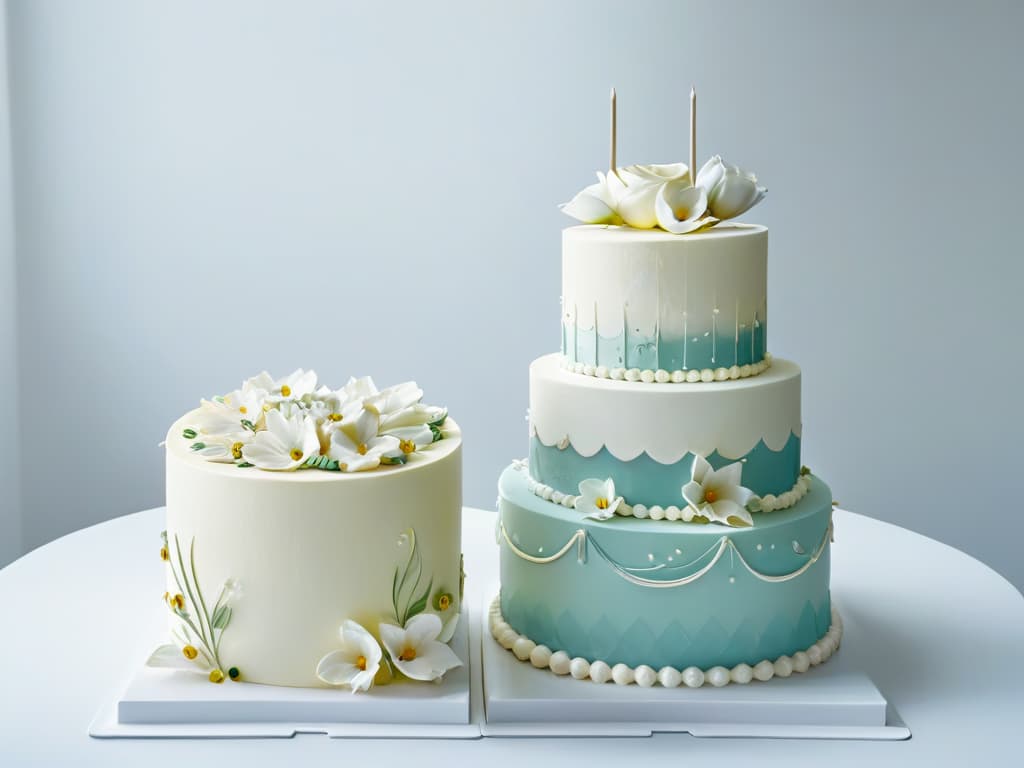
[207, 189]
[10, 479]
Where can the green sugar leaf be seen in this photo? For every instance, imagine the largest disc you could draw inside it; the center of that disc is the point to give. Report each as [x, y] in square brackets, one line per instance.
[189, 434]
[221, 617]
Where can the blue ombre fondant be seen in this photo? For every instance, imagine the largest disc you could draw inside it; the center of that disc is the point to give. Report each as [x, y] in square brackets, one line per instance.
[645, 481]
[725, 617]
[646, 352]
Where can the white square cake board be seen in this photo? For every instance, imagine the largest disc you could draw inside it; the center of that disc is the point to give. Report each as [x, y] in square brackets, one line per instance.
[162, 703]
[831, 701]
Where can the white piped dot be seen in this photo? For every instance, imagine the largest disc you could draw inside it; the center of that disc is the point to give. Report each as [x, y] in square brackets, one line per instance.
[760, 547]
[661, 376]
[673, 513]
[783, 666]
[588, 369]
[764, 670]
[540, 656]
[742, 674]
[639, 510]
[579, 668]
[657, 513]
[633, 374]
[600, 672]
[707, 375]
[801, 663]
[814, 655]
[693, 376]
[678, 377]
[650, 557]
[734, 372]
[693, 677]
[559, 663]
[523, 647]
[644, 676]
[744, 371]
[601, 372]
[557, 497]
[647, 376]
[508, 639]
[669, 677]
[732, 579]
[617, 374]
[717, 676]
[622, 674]
[721, 374]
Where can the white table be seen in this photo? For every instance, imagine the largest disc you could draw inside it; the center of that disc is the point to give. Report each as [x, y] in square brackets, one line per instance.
[940, 633]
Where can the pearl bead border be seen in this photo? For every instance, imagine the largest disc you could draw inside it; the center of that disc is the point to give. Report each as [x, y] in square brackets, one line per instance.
[559, 662]
[767, 503]
[661, 376]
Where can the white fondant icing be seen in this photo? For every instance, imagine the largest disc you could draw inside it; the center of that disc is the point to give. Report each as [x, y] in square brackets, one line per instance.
[669, 677]
[663, 283]
[665, 422]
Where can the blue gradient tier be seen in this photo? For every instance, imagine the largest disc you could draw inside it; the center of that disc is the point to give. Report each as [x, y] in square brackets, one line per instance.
[645, 481]
[664, 593]
[744, 345]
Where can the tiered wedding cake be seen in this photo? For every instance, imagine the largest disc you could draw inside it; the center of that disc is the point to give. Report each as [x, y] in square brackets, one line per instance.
[663, 528]
[285, 502]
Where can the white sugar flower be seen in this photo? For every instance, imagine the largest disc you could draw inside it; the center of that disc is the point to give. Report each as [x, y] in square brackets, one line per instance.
[637, 205]
[223, 448]
[181, 654]
[230, 591]
[285, 444]
[397, 398]
[246, 403]
[358, 389]
[415, 650]
[215, 417]
[598, 499]
[356, 663]
[594, 204]
[660, 173]
[355, 444]
[717, 494]
[680, 207]
[292, 387]
[731, 191]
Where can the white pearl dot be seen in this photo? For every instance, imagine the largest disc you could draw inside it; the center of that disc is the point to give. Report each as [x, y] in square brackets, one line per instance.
[742, 674]
[647, 376]
[645, 676]
[557, 497]
[693, 376]
[622, 674]
[672, 513]
[523, 647]
[815, 655]
[760, 547]
[508, 639]
[600, 672]
[601, 372]
[764, 670]
[783, 666]
[633, 374]
[732, 579]
[734, 372]
[707, 375]
[657, 513]
[717, 676]
[669, 677]
[559, 663]
[721, 374]
[678, 377]
[801, 662]
[579, 668]
[540, 656]
[661, 376]
[639, 510]
[693, 677]
[618, 374]
[569, 501]
[588, 369]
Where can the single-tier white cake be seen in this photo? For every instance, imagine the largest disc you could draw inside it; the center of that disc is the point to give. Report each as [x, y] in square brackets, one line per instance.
[313, 535]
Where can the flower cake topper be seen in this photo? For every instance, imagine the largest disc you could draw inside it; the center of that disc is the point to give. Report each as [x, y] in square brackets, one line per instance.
[667, 196]
[291, 423]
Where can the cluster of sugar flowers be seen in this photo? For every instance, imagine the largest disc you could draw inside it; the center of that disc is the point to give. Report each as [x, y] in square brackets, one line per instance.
[292, 423]
[648, 196]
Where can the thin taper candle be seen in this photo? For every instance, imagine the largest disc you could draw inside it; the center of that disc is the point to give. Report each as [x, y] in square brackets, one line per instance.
[611, 162]
[693, 135]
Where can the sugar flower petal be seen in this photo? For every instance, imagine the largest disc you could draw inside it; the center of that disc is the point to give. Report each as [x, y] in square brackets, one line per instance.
[356, 663]
[415, 650]
[636, 207]
[679, 207]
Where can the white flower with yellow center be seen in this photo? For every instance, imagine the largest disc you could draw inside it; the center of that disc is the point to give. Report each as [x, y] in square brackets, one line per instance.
[597, 499]
[248, 404]
[680, 208]
[415, 649]
[285, 444]
[355, 444]
[293, 387]
[594, 204]
[717, 494]
[356, 663]
[225, 448]
[395, 399]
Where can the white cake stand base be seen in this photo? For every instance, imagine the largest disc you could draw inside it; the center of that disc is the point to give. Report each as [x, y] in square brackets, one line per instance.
[830, 701]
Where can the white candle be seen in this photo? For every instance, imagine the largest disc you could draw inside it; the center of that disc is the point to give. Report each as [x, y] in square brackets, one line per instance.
[693, 135]
[611, 162]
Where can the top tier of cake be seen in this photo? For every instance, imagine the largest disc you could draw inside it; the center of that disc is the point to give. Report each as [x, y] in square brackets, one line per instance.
[646, 303]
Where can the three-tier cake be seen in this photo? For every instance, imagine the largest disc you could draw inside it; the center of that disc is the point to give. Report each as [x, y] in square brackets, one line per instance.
[663, 529]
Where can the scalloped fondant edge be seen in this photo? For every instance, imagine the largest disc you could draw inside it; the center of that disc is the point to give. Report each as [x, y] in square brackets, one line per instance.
[662, 376]
[559, 662]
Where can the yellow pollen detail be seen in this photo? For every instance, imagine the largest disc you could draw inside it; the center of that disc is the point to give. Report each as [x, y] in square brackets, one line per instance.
[407, 446]
[407, 654]
[444, 602]
[236, 450]
[167, 597]
[178, 601]
[296, 454]
[286, 391]
[682, 213]
[190, 652]
[164, 554]
[243, 409]
[335, 417]
[363, 448]
[216, 676]
[361, 663]
[710, 496]
[601, 502]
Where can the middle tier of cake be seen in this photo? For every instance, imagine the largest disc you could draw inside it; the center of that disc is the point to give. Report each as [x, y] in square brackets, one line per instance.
[645, 438]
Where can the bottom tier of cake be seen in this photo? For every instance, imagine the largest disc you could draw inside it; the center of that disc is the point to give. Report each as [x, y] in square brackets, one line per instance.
[663, 593]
